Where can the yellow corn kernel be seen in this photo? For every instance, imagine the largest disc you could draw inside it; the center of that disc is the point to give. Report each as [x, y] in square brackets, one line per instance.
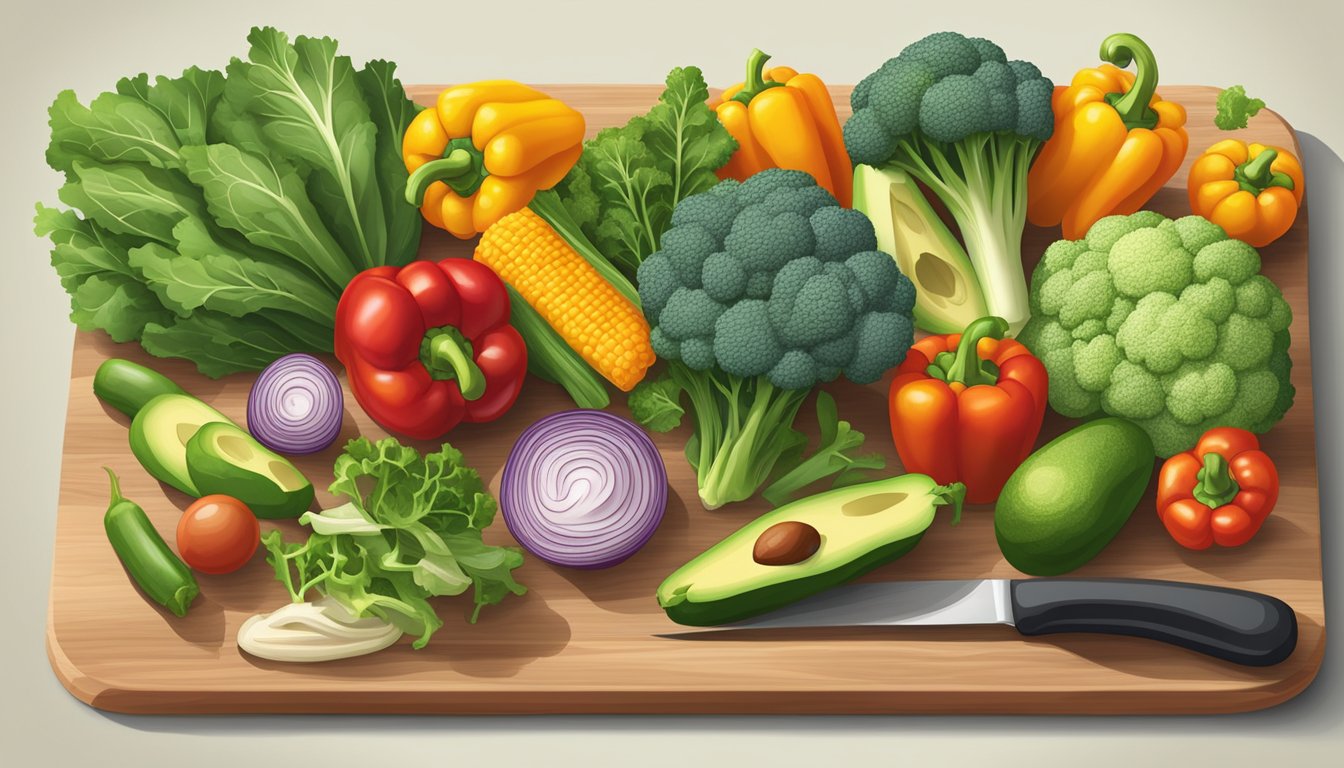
[606, 329]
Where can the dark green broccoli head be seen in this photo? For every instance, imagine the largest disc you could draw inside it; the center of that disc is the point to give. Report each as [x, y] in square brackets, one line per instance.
[772, 277]
[946, 87]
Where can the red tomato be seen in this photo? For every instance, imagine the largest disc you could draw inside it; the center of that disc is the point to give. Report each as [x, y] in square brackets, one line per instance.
[217, 534]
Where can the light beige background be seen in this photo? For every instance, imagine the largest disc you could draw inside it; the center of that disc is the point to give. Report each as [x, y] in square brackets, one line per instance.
[1286, 52]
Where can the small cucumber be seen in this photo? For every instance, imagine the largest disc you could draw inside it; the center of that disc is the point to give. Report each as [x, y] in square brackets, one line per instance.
[127, 386]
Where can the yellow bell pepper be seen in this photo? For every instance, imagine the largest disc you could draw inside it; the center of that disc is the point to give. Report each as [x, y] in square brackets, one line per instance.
[783, 119]
[484, 150]
[1116, 142]
[1253, 192]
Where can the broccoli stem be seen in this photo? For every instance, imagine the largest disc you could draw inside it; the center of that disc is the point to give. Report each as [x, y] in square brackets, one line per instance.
[1132, 105]
[982, 180]
[742, 428]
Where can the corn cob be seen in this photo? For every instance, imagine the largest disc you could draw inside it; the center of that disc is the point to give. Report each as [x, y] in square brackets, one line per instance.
[607, 330]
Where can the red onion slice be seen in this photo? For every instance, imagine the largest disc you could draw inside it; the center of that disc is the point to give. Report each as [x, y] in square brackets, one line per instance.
[583, 488]
[295, 405]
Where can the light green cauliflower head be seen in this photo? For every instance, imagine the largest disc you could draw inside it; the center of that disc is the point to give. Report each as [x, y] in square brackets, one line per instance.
[1167, 323]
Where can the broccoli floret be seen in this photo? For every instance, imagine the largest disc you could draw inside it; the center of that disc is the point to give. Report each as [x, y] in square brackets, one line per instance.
[955, 114]
[1166, 323]
[1235, 108]
[754, 307]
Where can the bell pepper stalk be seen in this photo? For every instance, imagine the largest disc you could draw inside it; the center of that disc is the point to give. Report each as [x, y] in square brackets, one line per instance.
[429, 345]
[968, 407]
[783, 119]
[1252, 191]
[1220, 492]
[1116, 142]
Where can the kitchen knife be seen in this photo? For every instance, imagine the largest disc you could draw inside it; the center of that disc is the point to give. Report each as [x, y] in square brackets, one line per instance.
[1231, 624]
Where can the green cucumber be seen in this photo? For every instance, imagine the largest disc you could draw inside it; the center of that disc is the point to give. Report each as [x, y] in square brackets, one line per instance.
[128, 386]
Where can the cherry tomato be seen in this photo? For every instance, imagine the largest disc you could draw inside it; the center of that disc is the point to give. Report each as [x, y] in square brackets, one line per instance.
[217, 534]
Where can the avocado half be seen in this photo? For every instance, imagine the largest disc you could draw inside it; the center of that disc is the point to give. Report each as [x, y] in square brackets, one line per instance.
[947, 294]
[861, 526]
[222, 458]
[159, 434]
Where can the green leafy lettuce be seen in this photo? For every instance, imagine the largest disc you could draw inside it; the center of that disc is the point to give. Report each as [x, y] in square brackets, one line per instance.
[217, 217]
[629, 178]
[411, 531]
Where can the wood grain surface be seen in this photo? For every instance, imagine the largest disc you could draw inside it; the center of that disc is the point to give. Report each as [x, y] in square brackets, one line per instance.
[583, 641]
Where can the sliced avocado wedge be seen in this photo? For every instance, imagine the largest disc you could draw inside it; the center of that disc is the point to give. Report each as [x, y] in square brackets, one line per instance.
[222, 458]
[159, 434]
[859, 527]
[947, 294]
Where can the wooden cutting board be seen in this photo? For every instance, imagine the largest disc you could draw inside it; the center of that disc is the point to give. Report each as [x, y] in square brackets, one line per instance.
[584, 641]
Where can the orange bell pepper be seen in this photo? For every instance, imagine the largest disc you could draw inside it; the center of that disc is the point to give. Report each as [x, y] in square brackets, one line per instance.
[1251, 192]
[783, 119]
[484, 150]
[1116, 142]
[967, 407]
[1220, 492]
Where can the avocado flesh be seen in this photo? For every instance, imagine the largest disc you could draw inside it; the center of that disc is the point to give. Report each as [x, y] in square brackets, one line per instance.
[861, 526]
[160, 432]
[947, 294]
[225, 459]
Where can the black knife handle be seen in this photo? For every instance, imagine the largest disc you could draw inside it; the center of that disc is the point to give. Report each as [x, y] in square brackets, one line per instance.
[1231, 624]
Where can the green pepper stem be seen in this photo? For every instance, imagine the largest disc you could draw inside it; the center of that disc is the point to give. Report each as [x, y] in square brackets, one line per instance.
[456, 165]
[117, 498]
[755, 82]
[1256, 175]
[1132, 106]
[1216, 486]
[449, 357]
[953, 495]
[966, 366]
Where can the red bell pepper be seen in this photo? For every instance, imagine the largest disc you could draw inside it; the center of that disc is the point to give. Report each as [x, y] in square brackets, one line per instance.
[429, 345]
[967, 407]
[1220, 492]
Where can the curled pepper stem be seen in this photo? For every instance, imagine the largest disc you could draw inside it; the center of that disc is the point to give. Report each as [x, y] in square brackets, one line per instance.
[1132, 105]
[446, 354]
[755, 82]
[457, 169]
[1216, 486]
[116, 487]
[1256, 175]
[965, 365]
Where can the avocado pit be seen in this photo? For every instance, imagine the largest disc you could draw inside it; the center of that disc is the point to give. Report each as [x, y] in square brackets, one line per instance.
[786, 543]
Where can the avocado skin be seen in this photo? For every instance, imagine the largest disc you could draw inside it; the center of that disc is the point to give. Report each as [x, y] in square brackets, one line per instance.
[213, 473]
[1047, 531]
[765, 599]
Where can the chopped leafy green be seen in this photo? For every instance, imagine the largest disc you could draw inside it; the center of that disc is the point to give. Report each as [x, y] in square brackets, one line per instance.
[654, 404]
[411, 531]
[219, 218]
[832, 457]
[630, 177]
[1235, 108]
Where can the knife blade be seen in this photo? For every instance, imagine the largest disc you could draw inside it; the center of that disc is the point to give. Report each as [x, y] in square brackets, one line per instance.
[1235, 625]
